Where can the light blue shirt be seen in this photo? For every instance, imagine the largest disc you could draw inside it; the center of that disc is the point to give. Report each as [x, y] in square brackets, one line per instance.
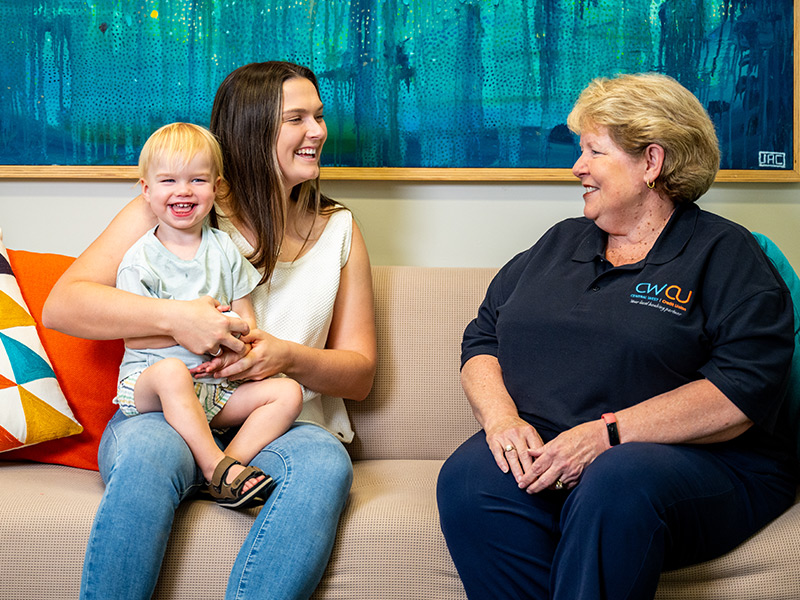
[218, 270]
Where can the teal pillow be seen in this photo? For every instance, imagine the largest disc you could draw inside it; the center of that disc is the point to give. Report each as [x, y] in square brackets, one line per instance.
[792, 407]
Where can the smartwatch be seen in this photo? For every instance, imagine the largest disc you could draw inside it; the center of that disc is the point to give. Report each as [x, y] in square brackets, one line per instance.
[610, 419]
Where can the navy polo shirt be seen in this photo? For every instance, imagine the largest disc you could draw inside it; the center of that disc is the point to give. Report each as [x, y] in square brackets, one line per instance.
[576, 337]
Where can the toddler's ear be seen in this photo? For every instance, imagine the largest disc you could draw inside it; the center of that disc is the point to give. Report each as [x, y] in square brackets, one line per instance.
[145, 189]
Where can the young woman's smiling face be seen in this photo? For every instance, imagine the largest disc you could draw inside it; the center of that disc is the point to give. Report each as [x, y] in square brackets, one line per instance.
[302, 134]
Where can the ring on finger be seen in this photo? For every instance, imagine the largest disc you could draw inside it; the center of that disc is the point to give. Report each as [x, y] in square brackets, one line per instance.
[509, 448]
[218, 352]
[559, 484]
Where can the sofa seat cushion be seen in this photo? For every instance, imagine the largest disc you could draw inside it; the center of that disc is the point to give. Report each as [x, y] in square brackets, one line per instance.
[389, 537]
[389, 543]
[46, 513]
[766, 566]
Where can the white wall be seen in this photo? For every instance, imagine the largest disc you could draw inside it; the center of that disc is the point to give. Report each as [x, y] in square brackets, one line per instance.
[404, 223]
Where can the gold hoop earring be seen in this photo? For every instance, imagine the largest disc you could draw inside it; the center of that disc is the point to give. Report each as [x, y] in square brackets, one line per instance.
[651, 184]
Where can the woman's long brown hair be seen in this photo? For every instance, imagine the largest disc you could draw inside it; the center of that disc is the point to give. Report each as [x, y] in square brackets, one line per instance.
[246, 118]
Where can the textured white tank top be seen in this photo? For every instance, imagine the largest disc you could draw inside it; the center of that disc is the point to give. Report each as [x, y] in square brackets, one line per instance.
[297, 305]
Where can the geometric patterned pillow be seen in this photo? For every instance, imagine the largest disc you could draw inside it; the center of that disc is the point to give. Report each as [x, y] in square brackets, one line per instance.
[33, 408]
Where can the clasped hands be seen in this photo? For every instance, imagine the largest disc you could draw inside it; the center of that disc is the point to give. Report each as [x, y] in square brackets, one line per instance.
[536, 466]
[247, 354]
[258, 359]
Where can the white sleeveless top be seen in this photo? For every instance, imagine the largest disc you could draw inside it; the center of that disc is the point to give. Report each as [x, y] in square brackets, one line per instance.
[296, 304]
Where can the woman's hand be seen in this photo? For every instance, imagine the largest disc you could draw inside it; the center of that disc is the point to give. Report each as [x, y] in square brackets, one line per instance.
[200, 327]
[510, 440]
[210, 368]
[195, 325]
[267, 356]
[508, 435]
[564, 458]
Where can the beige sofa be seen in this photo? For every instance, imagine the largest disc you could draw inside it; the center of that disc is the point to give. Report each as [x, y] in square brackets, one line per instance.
[389, 543]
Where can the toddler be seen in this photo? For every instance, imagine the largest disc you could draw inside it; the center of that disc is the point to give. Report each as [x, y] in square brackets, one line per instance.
[183, 258]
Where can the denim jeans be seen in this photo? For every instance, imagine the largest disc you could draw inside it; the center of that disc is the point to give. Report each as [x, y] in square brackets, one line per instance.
[148, 470]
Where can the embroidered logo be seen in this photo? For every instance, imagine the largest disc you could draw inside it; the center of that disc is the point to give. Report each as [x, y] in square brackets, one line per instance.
[665, 297]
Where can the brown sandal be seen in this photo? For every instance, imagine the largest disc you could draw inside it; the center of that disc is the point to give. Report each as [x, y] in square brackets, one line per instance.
[230, 495]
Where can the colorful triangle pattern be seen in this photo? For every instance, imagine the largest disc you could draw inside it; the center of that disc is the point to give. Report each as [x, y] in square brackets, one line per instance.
[5, 268]
[27, 364]
[8, 441]
[33, 408]
[43, 422]
[12, 314]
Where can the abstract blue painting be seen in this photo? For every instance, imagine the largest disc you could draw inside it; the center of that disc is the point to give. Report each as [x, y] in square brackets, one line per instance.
[406, 83]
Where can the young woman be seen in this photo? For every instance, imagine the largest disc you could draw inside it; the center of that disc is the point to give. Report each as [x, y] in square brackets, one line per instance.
[315, 299]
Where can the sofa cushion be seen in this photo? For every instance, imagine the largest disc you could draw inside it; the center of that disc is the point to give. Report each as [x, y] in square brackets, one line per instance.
[416, 408]
[389, 543]
[33, 408]
[765, 566]
[86, 369]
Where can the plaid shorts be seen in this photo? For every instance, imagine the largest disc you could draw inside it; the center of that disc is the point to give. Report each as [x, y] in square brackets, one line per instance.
[212, 396]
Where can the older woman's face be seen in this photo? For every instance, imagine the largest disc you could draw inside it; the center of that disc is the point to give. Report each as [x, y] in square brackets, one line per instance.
[613, 180]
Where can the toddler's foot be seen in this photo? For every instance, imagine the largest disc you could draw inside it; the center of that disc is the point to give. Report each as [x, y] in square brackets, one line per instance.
[238, 490]
[236, 469]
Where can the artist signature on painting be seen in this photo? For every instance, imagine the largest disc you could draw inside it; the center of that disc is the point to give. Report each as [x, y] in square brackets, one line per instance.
[776, 160]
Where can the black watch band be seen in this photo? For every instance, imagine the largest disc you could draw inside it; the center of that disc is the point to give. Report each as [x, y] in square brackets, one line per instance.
[610, 419]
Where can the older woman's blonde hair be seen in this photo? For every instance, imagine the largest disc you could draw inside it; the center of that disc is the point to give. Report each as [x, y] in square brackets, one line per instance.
[649, 108]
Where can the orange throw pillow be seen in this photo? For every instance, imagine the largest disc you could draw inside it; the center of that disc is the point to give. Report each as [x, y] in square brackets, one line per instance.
[85, 369]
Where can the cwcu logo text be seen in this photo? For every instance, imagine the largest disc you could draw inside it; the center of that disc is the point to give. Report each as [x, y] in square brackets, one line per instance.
[667, 297]
[660, 291]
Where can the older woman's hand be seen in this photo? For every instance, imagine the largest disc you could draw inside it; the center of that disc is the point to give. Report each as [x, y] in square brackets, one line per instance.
[510, 440]
[565, 457]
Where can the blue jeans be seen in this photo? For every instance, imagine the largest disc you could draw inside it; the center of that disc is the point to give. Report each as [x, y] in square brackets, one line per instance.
[639, 509]
[149, 470]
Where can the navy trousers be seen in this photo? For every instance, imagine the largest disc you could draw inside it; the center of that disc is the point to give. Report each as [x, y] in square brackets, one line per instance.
[639, 509]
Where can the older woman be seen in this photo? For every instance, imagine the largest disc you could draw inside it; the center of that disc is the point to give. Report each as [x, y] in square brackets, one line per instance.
[627, 371]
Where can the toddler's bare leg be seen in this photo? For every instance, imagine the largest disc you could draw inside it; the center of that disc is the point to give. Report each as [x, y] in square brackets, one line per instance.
[265, 410]
[168, 386]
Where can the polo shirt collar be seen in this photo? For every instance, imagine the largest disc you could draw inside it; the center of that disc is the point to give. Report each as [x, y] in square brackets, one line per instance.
[670, 243]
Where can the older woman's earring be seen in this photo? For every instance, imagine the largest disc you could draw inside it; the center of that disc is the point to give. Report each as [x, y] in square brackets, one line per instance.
[651, 184]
